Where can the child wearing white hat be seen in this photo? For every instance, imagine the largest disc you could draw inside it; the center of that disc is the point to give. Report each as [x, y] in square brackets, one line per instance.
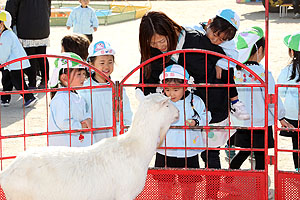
[291, 75]
[67, 109]
[251, 46]
[101, 56]
[11, 49]
[192, 112]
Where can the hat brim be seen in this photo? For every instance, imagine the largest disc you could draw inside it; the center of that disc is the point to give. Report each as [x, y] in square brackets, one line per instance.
[244, 54]
[286, 40]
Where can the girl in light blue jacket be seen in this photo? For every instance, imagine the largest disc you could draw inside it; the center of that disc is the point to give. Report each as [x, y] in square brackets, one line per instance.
[99, 100]
[291, 75]
[192, 112]
[251, 46]
[11, 49]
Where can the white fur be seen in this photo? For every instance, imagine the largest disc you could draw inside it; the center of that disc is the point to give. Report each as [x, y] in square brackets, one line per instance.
[112, 169]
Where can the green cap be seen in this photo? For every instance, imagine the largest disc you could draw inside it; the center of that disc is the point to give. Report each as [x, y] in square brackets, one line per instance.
[61, 63]
[292, 41]
[246, 41]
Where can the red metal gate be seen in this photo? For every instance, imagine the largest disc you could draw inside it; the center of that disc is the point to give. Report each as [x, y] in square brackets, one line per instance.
[287, 179]
[222, 183]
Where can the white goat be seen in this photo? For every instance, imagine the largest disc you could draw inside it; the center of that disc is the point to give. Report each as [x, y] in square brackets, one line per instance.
[112, 169]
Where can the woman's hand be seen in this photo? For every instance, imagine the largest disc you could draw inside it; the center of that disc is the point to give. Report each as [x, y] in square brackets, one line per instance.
[218, 72]
[285, 124]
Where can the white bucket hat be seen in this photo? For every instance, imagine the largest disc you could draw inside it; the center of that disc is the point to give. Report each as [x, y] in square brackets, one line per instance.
[61, 63]
[175, 71]
[6, 18]
[100, 48]
[293, 41]
[230, 16]
[246, 41]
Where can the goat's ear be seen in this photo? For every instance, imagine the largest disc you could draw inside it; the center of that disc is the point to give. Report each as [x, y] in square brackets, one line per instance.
[165, 101]
[139, 94]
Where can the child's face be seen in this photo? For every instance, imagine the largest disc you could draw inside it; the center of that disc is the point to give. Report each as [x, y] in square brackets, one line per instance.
[176, 93]
[77, 77]
[216, 38]
[159, 42]
[105, 64]
[84, 3]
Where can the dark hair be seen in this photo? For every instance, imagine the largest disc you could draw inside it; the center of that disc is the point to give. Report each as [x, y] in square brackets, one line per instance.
[181, 81]
[296, 65]
[76, 43]
[64, 71]
[173, 80]
[156, 23]
[258, 44]
[220, 25]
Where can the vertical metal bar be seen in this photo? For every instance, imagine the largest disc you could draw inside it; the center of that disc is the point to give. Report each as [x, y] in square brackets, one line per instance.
[266, 89]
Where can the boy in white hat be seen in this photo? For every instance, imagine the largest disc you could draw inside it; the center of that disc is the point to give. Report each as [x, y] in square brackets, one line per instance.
[291, 75]
[11, 49]
[192, 113]
[67, 109]
[101, 56]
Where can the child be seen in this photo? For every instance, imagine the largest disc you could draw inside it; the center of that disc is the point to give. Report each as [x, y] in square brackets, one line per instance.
[84, 20]
[76, 43]
[67, 109]
[291, 75]
[251, 46]
[12, 74]
[192, 113]
[221, 30]
[101, 56]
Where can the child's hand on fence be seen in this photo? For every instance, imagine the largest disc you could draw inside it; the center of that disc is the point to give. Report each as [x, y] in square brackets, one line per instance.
[218, 72]
[86, 123]
[190, 122]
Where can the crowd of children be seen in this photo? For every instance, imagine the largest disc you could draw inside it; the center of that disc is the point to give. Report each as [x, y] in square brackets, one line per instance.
[78, 109]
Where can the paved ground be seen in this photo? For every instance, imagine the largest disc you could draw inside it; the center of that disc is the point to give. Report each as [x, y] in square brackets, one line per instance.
[124, 38]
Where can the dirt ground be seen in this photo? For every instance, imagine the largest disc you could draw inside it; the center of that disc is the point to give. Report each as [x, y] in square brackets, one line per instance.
[124, 39]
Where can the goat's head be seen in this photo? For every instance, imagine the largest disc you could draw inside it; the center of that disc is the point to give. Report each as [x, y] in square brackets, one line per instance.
[159, 110]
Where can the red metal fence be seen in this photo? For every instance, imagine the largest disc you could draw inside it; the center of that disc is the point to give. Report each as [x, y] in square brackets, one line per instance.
[162, 183]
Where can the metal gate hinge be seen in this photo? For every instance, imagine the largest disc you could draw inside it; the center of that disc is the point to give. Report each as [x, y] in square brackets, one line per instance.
[271, 99]
[271, 160]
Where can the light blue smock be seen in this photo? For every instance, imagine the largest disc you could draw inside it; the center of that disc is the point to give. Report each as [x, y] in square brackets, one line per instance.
[194, 138]
[101, 103]
[258, 94]
[60, 120]
[83, 20]
[10, 49]
[290, 94]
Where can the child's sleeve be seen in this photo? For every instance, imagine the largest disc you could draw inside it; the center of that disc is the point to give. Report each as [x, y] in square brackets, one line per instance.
[60, 111]
[127, 109]
[71, 19]
[95, 22]
[271, 87]
[282, 79]
[230, 51]
[200, 108]
[5, 49]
